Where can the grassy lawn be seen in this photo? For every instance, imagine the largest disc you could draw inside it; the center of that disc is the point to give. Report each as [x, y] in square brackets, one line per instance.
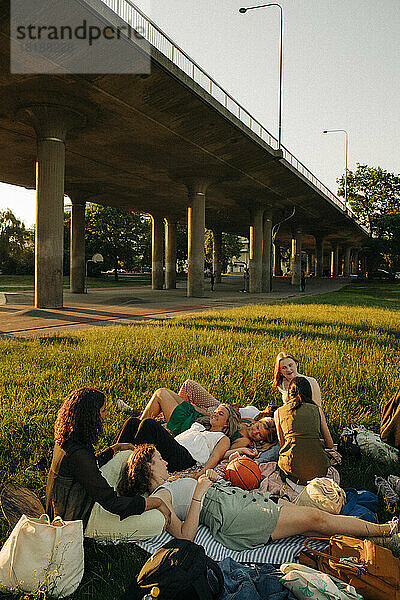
[15, 283]
[349, 340]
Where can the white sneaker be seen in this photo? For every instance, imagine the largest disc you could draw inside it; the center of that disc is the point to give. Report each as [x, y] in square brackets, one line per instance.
[122, 406]
[394, 482]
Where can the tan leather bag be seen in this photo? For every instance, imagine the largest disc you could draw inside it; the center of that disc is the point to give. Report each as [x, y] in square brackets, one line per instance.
[372, 570]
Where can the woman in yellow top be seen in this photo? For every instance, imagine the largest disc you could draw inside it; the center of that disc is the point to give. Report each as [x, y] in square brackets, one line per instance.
[300, 423]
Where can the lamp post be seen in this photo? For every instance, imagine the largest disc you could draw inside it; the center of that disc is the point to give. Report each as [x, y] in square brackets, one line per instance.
[244, 10]
[346, 151]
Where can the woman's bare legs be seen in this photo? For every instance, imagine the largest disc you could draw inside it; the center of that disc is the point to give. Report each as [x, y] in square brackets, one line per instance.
[162, 401]
[195, 393]
[295, 520]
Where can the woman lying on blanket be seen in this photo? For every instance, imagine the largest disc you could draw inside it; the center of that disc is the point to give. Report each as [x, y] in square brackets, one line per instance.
[300, 424]
[181, 414]
[239, 520]
[75, 483]
[203, 444]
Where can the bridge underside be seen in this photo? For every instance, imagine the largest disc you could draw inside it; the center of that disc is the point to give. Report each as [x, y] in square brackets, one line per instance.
[157, 144]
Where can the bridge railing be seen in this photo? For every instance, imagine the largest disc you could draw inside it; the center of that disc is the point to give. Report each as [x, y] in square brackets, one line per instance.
[159, 40]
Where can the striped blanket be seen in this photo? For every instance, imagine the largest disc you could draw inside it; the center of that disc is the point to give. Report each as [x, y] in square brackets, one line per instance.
[276, 553]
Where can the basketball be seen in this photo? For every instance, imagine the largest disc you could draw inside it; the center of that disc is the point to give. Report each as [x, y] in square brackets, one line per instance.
[243, 472]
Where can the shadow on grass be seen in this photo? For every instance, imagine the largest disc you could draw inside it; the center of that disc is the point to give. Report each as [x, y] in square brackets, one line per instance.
[297, 330]
[368, 294]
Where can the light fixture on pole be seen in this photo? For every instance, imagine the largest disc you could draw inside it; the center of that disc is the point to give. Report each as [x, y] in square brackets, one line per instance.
[244, 10]
[346, 152]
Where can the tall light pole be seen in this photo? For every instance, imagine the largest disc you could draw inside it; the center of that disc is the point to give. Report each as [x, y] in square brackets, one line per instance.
[346, 151]
[243, 10]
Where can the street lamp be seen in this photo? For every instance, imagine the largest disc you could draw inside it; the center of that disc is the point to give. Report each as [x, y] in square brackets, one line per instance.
[346, 151]
[243, 10]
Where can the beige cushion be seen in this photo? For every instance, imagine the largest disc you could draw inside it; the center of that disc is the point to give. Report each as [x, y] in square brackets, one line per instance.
[322, 493]
[103, 525]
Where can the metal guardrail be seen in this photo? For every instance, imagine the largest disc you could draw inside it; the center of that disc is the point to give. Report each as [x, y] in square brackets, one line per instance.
[159, 40]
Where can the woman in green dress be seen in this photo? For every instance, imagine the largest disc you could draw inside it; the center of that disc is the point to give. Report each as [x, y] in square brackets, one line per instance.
[300, 425]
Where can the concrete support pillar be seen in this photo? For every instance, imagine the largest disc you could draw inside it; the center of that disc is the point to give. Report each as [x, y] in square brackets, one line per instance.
[296, 257]
[313, 263]
[196, 225]
[308, 263]
[77, 248]
[277, 260]
[157, 234]
[217, 254]
[51, 124]
[170, 253]
[355, 263]
[347, 264]
[256, 244]
[319, 256]
[335, 261]
[363, 265]
[267, 254]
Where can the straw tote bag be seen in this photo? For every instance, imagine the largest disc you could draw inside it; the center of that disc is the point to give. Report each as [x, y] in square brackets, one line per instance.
[43, 555]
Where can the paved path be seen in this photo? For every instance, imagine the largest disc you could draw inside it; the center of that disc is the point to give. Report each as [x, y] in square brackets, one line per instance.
[122, 305]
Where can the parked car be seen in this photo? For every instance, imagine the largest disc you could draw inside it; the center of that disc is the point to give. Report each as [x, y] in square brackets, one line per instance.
[382, 275]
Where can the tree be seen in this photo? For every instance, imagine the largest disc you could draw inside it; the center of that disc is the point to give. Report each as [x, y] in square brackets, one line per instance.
[374, 196]
[372, 193]
[122, 237]
[231, 246]
[17, 253]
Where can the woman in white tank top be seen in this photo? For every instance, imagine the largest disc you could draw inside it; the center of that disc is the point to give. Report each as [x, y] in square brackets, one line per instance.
[235, 517]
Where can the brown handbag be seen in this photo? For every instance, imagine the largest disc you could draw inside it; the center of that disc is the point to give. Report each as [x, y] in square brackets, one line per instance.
[371, 569]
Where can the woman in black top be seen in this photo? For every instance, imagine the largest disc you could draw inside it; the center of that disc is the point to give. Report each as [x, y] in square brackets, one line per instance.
[75, 482]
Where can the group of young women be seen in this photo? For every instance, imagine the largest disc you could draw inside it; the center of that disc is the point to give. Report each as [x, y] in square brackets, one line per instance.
[205, 433]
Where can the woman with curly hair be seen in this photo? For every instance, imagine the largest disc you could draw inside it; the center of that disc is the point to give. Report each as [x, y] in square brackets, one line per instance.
[239, 520]
[75, 482]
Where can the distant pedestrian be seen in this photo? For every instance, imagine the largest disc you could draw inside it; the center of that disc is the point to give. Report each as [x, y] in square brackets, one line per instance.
[212, 280]
[246, 279]
[302, 282]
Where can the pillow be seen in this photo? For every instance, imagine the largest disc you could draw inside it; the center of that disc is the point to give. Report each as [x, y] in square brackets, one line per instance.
[323, 493]
[105, 526]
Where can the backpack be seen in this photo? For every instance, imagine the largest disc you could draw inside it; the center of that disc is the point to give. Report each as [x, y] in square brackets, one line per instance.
[390, 421]
[372, 570]
[348, 445]
[180, 571]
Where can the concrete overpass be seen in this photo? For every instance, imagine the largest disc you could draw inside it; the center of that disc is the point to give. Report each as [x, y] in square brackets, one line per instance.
[171, 143]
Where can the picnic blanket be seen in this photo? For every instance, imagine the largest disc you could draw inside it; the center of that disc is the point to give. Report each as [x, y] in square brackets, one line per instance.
[276, 553]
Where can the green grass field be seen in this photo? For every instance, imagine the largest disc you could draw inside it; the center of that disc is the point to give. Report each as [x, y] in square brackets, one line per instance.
[15, 283]
[348, 340]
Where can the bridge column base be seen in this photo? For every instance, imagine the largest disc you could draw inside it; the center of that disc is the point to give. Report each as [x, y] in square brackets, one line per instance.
[157, 272]
[170, 253]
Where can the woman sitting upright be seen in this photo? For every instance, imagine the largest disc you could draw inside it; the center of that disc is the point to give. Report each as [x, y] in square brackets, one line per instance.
[75, 482]
[300, 424]
[286, 369]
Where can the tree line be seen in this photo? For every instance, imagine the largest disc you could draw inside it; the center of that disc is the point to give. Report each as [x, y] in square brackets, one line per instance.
[124, 237]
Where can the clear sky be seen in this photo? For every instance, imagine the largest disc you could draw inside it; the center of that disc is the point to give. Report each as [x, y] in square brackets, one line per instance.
[341, 71]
